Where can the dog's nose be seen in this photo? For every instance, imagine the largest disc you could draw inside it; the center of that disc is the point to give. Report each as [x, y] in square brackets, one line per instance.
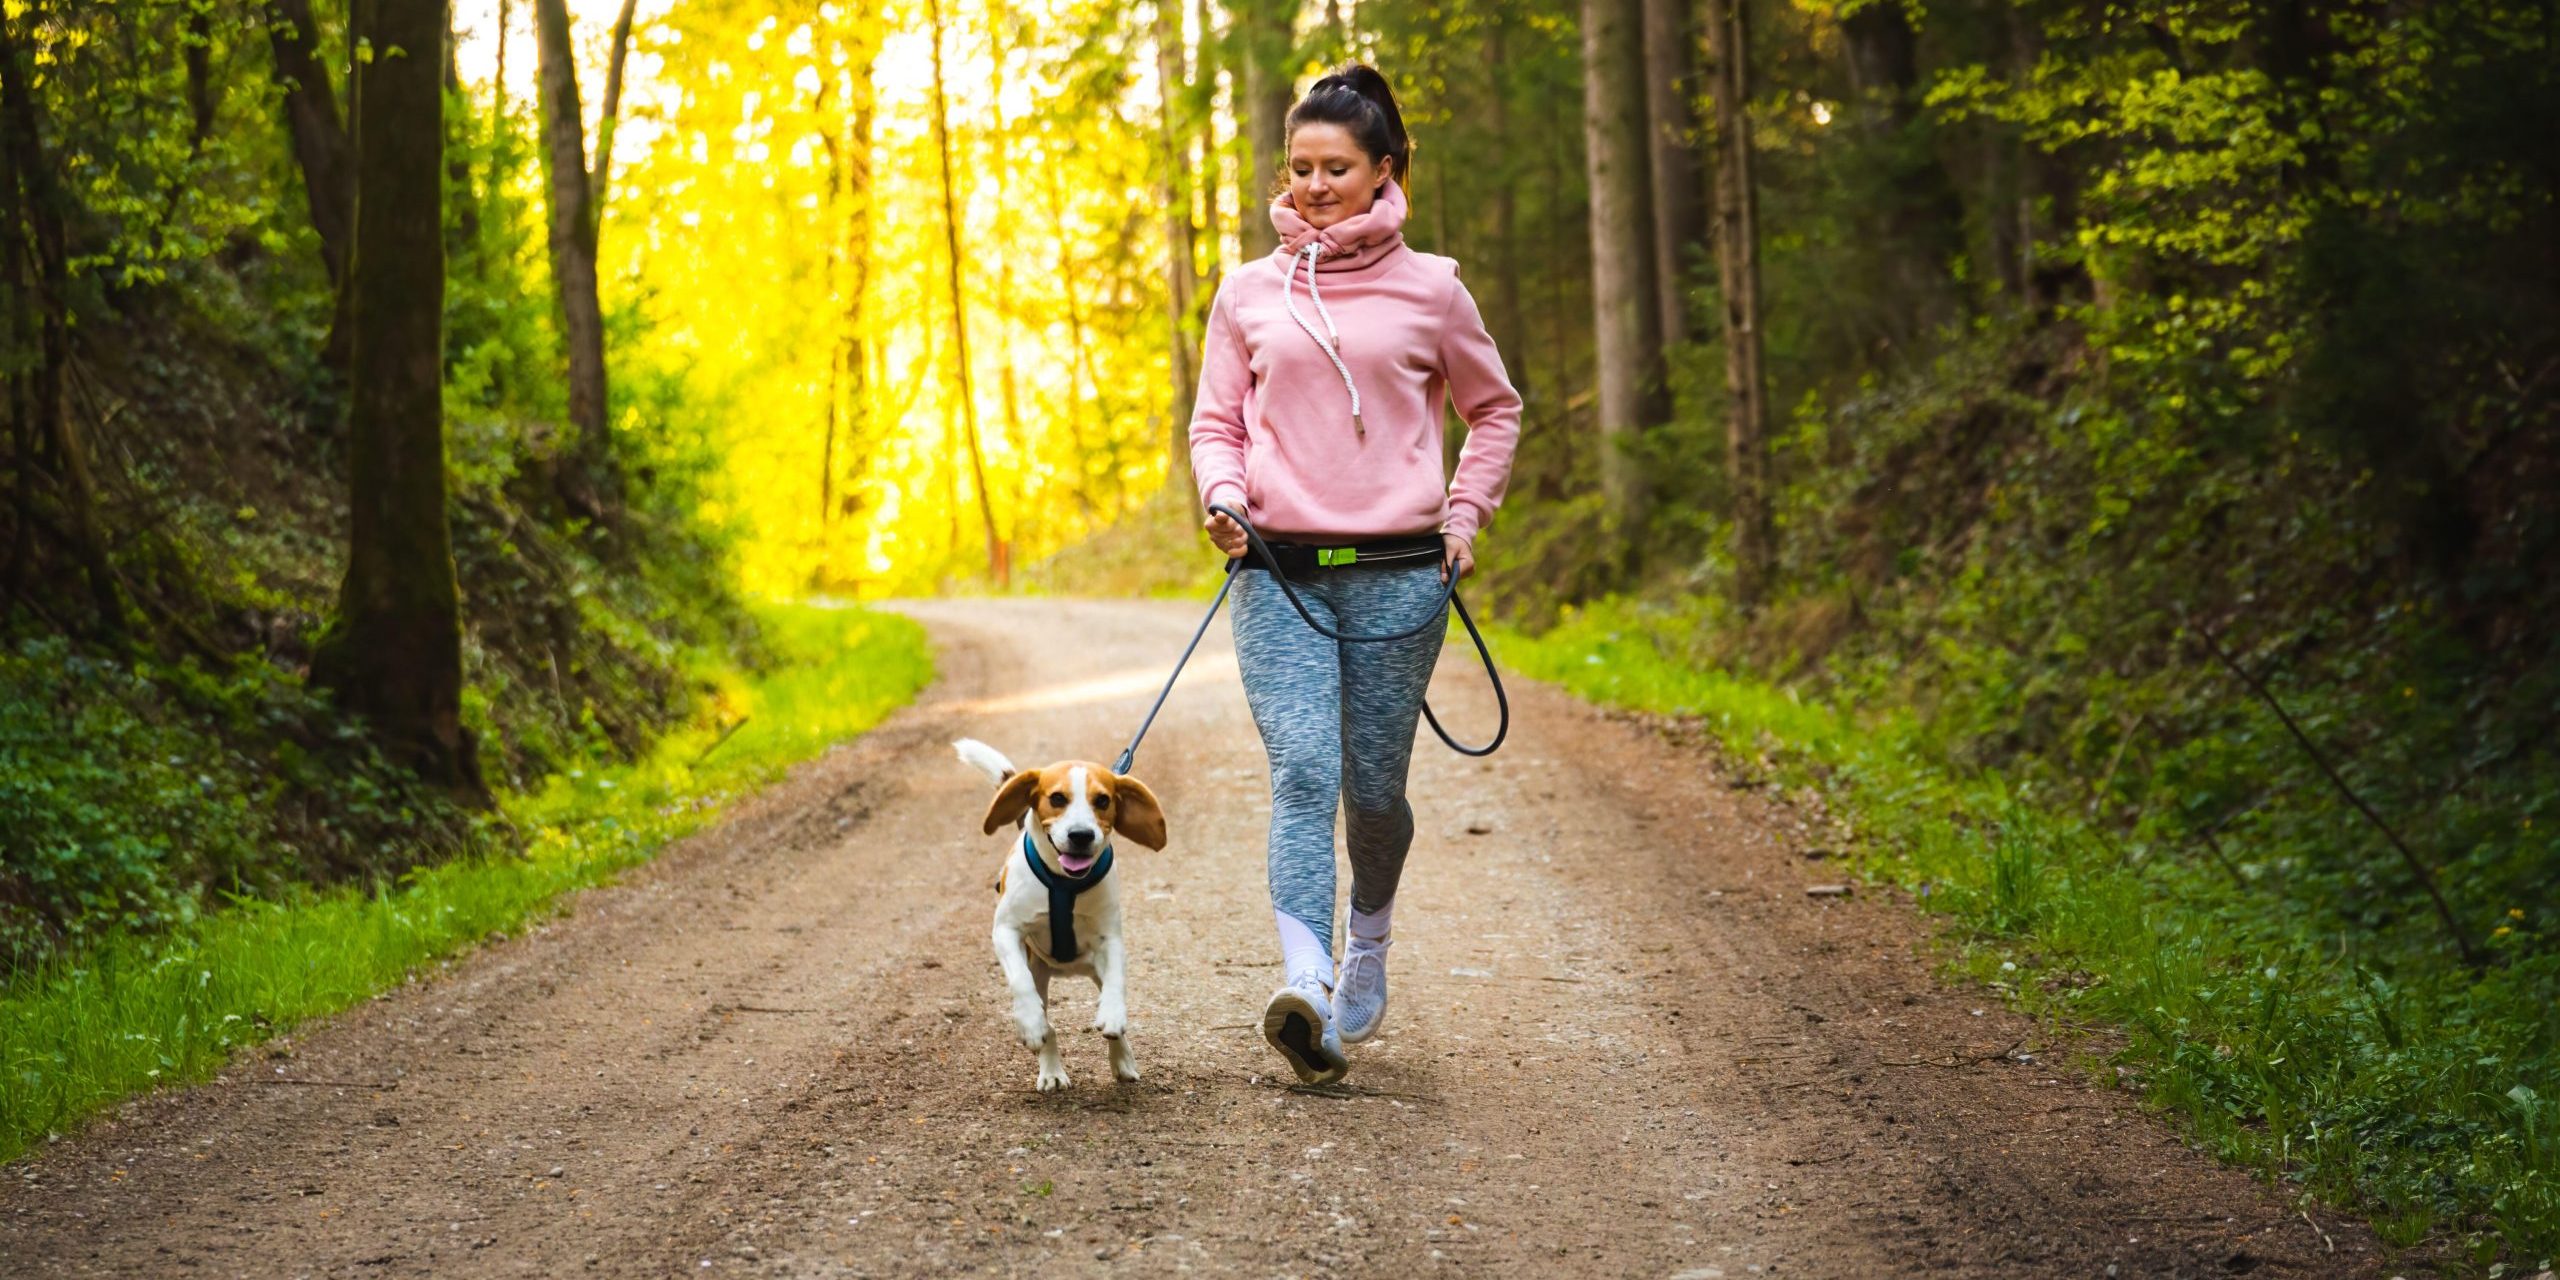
[1080, 839]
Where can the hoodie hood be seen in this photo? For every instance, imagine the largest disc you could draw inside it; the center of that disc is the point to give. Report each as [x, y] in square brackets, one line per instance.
[1356, 241]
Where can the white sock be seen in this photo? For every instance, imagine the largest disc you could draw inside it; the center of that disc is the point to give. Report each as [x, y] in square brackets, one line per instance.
[1300, 953]
[1372, 928]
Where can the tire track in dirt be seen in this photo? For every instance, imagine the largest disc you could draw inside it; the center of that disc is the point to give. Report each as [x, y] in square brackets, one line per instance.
[1623, 1042]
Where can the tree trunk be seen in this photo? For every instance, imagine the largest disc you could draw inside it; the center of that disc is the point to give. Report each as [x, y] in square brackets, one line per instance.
[39, 268]
[852, 358]
[464, 225]
[394, 654]
[1508, 327]
[586, 478]
[621, 49]
[1679, 184]
[1265, 35]
[1210, 177]
[1181, 265]
[1738, 268]
[997, 561]
[1918, 220]
[319, 140]
[1089, 390]
[1626, 301]
[1008, 383]
[198, 52]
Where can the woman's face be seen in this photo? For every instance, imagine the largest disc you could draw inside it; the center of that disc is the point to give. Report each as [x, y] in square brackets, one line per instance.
[1330, 177]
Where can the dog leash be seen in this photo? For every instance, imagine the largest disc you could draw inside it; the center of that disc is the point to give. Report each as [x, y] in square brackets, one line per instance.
[1448, 599]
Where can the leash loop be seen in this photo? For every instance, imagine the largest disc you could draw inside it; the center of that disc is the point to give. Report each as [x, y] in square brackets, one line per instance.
[1449, 599]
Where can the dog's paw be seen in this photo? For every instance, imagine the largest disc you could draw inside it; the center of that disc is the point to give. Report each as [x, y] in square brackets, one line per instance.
[1112, 1024]
[1052, 1079]
[1124, 1062]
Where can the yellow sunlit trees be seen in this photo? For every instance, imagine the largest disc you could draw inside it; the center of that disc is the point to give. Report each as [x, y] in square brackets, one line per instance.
[781, 225]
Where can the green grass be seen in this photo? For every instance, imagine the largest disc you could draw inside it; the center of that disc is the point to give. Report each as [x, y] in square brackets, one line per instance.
[2425, 1096]
[87, 1029]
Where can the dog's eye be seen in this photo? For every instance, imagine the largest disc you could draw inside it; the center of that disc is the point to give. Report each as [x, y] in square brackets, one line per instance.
[1101, 802]
[1057, 799]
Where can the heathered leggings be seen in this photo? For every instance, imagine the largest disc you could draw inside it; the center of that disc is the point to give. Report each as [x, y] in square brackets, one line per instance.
[1337, 720]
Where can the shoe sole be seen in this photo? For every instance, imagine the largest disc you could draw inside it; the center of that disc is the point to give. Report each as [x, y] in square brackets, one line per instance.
[1292, 1025]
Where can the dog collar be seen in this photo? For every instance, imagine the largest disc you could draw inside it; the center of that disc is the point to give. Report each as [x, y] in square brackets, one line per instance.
[1063, 889]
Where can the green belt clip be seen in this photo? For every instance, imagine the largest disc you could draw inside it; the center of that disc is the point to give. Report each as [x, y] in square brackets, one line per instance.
[1331, 557]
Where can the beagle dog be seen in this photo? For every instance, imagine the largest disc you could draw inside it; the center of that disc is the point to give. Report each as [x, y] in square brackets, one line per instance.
[1057, 908]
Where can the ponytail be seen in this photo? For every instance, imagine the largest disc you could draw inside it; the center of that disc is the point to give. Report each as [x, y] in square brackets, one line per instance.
[1357, 98]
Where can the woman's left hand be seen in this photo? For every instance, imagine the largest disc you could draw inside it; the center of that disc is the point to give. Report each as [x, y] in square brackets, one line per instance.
[1455, 553]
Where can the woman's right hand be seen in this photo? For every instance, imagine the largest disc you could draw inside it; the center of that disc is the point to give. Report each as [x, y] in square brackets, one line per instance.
[1226, 533]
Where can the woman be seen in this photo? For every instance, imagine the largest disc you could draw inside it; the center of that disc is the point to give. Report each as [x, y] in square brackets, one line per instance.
[1327, 369]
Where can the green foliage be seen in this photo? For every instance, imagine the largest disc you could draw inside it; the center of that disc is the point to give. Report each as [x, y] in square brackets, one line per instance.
[2298, 1041]
[129, 793]
[135, 1008]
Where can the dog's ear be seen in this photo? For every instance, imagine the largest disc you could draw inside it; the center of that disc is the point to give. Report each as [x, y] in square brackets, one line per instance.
[1139, 816]
[1013, 799]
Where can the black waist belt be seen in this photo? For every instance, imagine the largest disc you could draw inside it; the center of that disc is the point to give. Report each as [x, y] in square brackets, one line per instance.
[1300, 559]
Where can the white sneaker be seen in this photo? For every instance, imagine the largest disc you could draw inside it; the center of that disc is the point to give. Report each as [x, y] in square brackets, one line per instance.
[1360, 992]
[1299, 1023]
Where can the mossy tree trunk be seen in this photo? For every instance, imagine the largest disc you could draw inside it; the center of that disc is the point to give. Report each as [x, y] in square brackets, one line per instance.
[394, 654]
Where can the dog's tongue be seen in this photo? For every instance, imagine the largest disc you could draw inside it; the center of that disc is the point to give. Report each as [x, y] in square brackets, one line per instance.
[1075, 863]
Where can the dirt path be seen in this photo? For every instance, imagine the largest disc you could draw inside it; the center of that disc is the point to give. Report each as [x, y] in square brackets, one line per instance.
[1624, 1043]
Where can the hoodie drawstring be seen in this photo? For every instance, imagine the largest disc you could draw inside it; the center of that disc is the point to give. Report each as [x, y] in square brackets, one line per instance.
[1330, 345]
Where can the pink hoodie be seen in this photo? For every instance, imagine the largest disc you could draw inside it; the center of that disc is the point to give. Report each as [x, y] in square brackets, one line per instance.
[1324, 381]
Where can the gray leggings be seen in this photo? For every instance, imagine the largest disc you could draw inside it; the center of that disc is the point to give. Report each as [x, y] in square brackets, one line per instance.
[1337, 719]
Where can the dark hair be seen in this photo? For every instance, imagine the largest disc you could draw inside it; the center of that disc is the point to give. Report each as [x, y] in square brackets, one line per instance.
[1357, 98]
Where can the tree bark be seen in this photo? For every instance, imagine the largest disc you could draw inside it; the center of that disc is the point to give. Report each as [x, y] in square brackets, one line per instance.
[1265, 34]
[1089, 391]
[1210, 177]
[852, 357]
[498, 84]
[394, 654]
[612, 114]
[198, 50]
[39, 269]
[997, 560]
[1679, 181]
[585, 478]
[1508, 328]
[1181, 265]
[465, 222]
[1008, 384]
[1917, 219]
[1738, 269]
[320, 144]
[1626, 298]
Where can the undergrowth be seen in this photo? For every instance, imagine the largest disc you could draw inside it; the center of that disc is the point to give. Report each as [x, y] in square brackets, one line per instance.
[168, 1001]
[2425, 1095]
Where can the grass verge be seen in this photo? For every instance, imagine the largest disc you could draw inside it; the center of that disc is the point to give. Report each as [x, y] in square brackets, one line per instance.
[2425, 1097]
[87, 1029]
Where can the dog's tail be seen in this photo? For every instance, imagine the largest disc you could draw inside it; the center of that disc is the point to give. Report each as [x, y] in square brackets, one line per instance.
[988, 760]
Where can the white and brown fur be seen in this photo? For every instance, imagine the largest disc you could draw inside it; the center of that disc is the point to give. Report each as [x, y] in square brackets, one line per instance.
[1072, 809]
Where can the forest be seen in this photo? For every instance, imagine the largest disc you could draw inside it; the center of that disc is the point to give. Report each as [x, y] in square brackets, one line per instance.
[2113, 445]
